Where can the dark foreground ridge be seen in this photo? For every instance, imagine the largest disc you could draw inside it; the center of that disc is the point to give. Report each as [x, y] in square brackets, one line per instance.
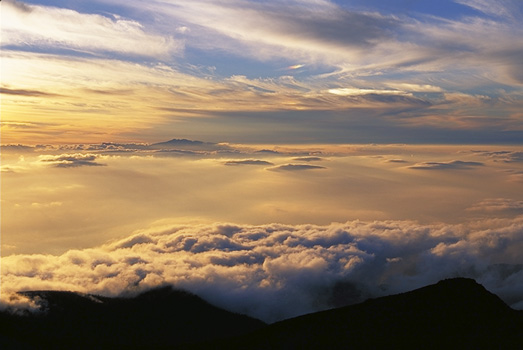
[455, 313]
[452, 314]
[159, 318]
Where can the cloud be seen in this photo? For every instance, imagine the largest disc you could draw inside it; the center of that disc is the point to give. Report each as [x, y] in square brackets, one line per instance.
[415, 87]
[21, 92]
[17, 148]
[296, 167]
[420, 53]
[452, 165]
[297, 26]
[427, 74]
[396, 160]
[55, 28]
[248, 162]
[308, 159]
[498, 205]
[499, 8]
[504, 156]
[397, 65]
[71, 160]
[296, 66]
[358, 92]
[276, 271]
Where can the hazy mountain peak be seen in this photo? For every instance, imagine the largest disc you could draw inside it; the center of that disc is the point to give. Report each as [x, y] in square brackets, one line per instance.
[182, 142]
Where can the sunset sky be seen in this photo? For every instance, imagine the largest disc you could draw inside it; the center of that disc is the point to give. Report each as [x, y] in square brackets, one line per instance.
[262, 71]
[375, 143]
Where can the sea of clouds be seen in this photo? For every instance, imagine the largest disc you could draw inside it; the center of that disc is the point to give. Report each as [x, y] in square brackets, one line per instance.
[277, 271]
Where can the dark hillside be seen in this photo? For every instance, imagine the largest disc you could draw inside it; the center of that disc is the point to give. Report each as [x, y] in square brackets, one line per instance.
[452, 314]
[456, 313]
[157, 318]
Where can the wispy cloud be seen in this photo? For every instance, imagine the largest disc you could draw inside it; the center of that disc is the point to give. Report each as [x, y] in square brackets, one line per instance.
[498, 205]
[21, 92]
[428, 73]
[452, 165]
[396, 160]
[500, 8]
[55, 28]
[308, 159]
[504, 156]
[299, 27]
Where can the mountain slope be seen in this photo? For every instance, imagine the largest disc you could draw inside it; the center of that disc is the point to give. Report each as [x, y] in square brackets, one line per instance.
[189, 145]
[157, 318]
[456, 313]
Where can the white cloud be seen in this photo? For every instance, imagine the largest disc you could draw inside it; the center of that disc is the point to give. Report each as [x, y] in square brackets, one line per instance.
[276, 271]
[415, 87]
[55, 28]
[501, 8]
[357, 92]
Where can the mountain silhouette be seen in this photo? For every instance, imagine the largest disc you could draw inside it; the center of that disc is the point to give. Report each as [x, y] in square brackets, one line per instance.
[189, 146]
[454, 314]
[159, 318]
[182, 142]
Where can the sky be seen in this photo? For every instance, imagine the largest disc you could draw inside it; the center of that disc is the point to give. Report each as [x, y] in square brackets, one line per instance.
[322, 152]
[295, 71]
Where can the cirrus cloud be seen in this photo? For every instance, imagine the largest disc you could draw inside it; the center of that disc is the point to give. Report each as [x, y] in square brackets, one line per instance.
[57, 28]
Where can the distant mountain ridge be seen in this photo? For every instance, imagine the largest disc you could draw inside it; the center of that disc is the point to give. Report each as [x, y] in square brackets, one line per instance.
[455, 313]
[182, 142]
[188, 145]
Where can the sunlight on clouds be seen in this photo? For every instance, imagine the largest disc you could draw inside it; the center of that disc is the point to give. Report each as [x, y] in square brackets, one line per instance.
[377, 219]
[276, 271]
[271, 221]
[94, 100]
[108, 192]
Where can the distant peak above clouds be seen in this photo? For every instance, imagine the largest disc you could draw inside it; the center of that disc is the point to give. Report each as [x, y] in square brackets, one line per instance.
[248, 162]
[192, 145]
[183, 142]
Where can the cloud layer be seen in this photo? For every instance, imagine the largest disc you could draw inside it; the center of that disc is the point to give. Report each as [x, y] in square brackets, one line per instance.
[96, 192]
[277, 271]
